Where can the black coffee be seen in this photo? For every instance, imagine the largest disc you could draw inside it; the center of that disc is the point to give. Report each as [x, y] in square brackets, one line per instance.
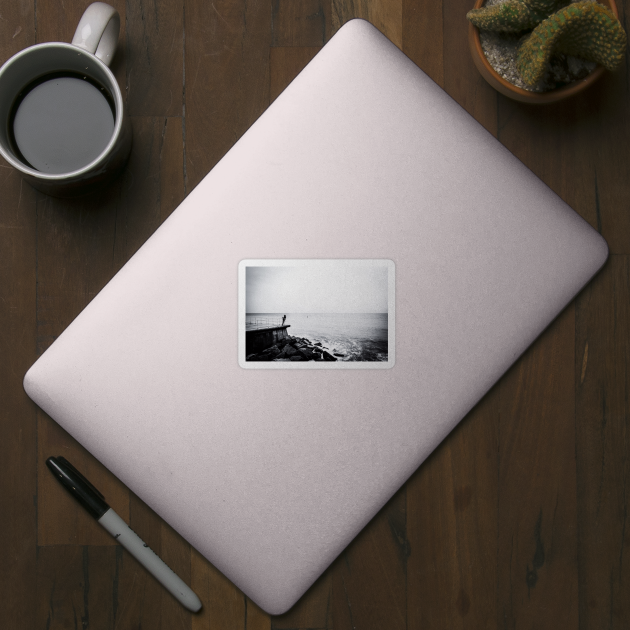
[61, 123]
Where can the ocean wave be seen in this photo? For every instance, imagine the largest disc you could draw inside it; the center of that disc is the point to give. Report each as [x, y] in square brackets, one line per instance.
[352, 349]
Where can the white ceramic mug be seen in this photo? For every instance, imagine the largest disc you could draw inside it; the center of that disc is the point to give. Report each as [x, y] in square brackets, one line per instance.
[88, 57]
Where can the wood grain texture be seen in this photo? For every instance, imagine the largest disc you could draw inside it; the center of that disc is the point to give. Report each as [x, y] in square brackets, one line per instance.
[386, 15]
[151, 187]
[285, 64]
[369, 577]
[461, 79]
[76, 587]
[602, 380]
[224, 606]
[422, 36]
[226, 78]
[313, 610]
[519, 519]
[573, 149]
[154, 57]
[537, 533]
[609, 133]
[18, 416]
[452, 515]
[300, 22]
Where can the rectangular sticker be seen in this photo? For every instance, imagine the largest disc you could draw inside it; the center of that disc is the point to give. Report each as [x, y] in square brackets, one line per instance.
[316, 314]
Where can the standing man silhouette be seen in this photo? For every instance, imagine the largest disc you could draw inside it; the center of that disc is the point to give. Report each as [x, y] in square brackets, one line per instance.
[283, 318]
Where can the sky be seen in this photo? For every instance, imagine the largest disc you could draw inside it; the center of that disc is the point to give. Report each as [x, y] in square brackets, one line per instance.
[340, 288]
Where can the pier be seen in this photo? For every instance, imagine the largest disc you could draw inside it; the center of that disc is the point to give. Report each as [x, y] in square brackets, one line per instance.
[263, 332]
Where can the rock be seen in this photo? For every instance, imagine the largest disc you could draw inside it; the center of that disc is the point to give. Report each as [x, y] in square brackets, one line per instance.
[296, 357]
[328, 356]
[280, 359]
[252, 357]
[272, 352]
[317, 343]
[289, 351]
[339, 354]
[306, 353]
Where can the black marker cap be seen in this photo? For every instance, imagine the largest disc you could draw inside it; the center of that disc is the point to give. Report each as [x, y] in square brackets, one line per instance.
[78, 486]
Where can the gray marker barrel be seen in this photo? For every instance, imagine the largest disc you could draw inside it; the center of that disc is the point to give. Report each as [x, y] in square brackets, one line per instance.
[149, 559]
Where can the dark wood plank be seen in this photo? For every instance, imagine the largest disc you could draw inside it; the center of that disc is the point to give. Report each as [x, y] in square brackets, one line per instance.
[313, 610]
[422, 36]
[300, 22]
[570, 146]
[171, 159]
[558, 147]
[452, 527]
[226, 78]
[18, 423]
[154, 57]
[255, 618]
[152, 185]
[575, 148]
[386, 15]
[17, 28]
[18, 416]
[74, 245]
[76, 587]
[224, 606]
[461, 78]
[603, 443]
[537, 537]
[369, 577]
[285, 64]
[608, 128]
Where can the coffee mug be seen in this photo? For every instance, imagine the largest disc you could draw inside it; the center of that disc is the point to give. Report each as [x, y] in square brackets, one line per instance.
[62, 114]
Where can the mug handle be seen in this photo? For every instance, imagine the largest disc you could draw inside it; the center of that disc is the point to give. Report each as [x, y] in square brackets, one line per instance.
[98, 30]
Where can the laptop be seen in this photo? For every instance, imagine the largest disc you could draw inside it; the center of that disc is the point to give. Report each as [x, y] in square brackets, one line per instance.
[316, 316]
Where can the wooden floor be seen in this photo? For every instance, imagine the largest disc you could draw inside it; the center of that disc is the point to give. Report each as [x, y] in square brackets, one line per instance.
[518, 520]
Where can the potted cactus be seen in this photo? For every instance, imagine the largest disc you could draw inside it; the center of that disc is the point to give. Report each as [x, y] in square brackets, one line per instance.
[558, 49]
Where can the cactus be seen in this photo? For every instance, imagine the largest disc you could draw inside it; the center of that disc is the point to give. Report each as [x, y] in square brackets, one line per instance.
[584, 29]
[513, 16]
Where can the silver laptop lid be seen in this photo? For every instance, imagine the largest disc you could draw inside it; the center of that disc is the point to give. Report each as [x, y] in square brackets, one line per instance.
[363, 168]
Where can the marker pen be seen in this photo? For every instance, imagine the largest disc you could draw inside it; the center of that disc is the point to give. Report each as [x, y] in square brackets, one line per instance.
[94, 502]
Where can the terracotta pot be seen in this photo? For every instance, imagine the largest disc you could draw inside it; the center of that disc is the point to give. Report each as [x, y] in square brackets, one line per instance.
[518, 94]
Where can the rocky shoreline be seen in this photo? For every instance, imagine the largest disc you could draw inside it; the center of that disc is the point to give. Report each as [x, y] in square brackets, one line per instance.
[296, 349]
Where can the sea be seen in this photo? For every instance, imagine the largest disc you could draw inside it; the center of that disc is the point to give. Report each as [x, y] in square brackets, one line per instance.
[354, 336]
